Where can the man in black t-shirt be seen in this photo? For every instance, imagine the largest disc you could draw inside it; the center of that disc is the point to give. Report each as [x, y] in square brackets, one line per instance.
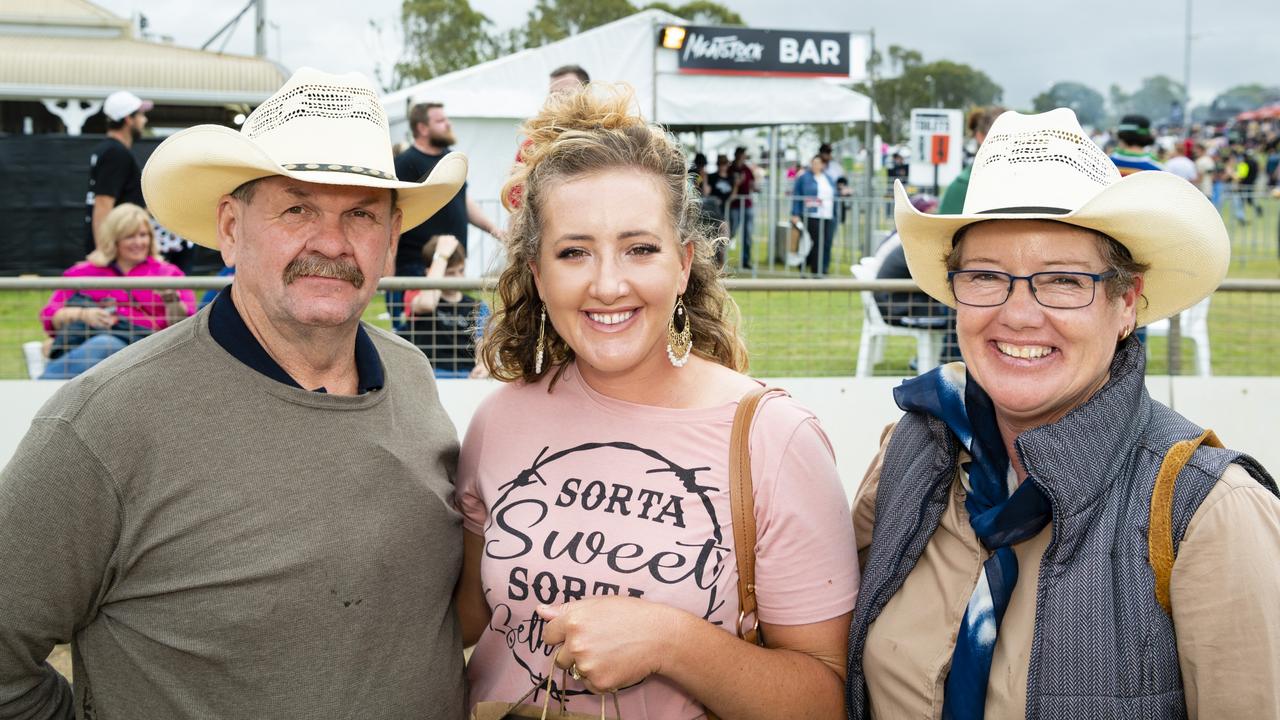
[114, 175]
[899, 170]
[432, 138]
[720, 183]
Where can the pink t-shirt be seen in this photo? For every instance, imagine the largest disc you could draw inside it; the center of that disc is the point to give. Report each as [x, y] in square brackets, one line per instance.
[577, 494]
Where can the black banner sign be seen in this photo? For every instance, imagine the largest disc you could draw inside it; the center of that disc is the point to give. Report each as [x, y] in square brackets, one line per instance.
[750, 51]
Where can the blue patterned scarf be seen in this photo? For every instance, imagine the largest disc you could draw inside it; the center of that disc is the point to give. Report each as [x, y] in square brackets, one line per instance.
[1001, 513]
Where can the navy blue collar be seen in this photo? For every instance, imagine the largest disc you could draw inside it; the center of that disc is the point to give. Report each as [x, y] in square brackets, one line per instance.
[228, 330]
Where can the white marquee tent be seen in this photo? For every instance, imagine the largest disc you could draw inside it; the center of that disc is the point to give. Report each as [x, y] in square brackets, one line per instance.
[486, 103]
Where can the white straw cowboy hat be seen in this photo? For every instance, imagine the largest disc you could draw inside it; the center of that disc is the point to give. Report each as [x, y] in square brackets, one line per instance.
[1044, 167]
[319, 128]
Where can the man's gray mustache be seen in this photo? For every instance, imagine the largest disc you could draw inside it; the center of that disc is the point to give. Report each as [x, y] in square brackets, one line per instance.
[315, 266]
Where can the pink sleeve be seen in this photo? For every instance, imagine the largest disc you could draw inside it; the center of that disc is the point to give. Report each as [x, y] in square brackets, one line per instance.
[187, 297]
[467, 497]
[806, 557]
[151, 311]
[409, 296]
[60, 297]
[189, 300]
[56, 301]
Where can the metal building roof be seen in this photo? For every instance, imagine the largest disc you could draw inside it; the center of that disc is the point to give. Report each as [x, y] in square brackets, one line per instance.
[74, 49]
[77, 13]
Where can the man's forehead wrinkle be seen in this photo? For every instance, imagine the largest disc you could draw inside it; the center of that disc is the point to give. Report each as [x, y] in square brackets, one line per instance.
[367, 196]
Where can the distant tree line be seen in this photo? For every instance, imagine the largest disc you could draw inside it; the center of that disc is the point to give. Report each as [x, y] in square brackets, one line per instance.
[903, 80]
[1158, 97]
[441, 36]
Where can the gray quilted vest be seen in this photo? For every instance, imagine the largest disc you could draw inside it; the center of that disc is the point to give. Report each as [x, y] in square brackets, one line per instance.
[1102, 646]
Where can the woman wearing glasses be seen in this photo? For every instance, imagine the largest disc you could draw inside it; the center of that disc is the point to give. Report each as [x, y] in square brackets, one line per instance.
[1029, 555]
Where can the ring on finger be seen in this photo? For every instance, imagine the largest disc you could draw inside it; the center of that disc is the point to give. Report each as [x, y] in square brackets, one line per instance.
[573, 671]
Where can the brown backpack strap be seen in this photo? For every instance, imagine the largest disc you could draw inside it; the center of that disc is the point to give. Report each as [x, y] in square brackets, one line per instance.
[742, 509]
[1160, 523]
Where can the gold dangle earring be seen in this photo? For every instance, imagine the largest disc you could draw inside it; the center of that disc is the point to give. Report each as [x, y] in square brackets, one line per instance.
[542, 341]
[1125, 335]
[679, 335]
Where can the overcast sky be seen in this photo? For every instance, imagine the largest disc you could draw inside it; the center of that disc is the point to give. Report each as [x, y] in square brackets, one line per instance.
[1023, 46]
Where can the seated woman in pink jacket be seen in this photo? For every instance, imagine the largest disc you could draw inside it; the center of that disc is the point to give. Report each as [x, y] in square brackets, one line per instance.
[89, 325]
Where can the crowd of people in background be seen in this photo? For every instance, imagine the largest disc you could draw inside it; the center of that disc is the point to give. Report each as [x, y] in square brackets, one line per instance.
[730, 190]
[1236, 166]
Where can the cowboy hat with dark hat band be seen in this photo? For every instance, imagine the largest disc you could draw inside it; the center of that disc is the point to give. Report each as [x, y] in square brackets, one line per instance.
[318, 128]
[1044, 167]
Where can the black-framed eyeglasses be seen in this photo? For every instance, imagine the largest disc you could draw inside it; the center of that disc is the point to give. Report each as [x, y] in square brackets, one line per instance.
[1063, 290]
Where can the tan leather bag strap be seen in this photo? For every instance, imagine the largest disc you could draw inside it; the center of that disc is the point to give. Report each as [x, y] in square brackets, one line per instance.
[743, 511]
[1160, 523]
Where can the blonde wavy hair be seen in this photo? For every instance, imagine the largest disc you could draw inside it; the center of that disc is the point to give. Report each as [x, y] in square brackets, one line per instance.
[123, 220]
[579, 133]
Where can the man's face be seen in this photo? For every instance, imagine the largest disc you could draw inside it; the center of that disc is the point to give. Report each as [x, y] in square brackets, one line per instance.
[438, 128]
[567, 82]
[136, 123]
[307, 255]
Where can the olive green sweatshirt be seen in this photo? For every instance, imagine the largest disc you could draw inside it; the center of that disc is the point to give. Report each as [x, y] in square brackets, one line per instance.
[216, 544]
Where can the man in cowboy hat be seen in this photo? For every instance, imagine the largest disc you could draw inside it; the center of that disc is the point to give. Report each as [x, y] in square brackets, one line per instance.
[249, 515]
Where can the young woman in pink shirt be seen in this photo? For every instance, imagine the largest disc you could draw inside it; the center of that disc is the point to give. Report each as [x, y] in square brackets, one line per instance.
[594, 485]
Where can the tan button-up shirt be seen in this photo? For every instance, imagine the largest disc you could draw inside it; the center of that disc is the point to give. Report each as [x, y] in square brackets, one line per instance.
[1225, 592]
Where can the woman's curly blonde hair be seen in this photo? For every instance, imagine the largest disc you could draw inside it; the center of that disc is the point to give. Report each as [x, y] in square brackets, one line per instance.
[579, 133]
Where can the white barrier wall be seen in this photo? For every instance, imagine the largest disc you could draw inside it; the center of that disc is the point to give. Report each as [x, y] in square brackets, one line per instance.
[1242, 410]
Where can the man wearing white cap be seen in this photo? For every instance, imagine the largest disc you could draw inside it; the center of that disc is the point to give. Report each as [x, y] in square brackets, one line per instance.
[114, 175]
[250, 514]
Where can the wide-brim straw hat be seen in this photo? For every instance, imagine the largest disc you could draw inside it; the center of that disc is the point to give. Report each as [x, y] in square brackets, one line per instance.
[318, 128]
[1044, 167]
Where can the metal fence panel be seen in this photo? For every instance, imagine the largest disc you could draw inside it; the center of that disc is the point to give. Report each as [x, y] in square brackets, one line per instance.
[793, 327]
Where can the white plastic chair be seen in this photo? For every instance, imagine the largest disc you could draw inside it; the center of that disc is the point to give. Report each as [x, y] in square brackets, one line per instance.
[875, 329]
[1195, 326]
[33, 351]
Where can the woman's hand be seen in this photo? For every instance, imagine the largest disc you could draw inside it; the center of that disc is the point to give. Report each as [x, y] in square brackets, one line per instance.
[446, 245]
[175, 310]
[615, 642]
[96, 317]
